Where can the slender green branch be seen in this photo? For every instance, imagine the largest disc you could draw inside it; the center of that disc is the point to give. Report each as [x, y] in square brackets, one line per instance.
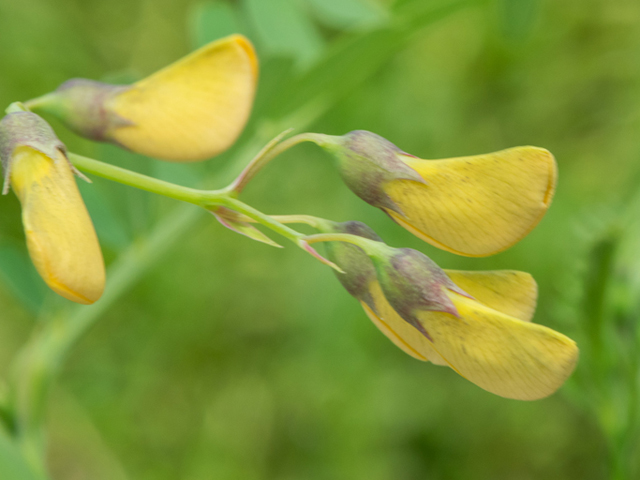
[143, 182]
[371, 247]
[41, 101]
[208, 199]
[315, 222]
[15, 107]
[268, 153]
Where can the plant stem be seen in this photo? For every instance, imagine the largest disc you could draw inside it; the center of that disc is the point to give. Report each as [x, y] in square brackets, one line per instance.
[371, 247]
[15, 107]
[208, 199]
[143, 182]
[315, 222]
[268, 153]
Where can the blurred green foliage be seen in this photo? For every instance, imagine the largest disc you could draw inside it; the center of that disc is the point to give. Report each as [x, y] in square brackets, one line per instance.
[233, 360]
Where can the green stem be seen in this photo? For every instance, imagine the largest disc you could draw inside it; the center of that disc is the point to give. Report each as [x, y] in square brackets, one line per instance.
[315, 222]
[371, 247]
[208, 199]
[15, 107]
[268, 153]
[42, 101]
[143, 182]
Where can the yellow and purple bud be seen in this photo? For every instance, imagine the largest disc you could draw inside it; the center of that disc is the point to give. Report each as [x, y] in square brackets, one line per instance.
[60, 237]
[191, 110]
[474, 206]
[360, 280]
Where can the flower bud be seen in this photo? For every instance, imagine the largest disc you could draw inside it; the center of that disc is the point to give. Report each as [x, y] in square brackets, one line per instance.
[473, 206]
[359, 279]
[60, 236]
[486, 337]
[191, 110]
[358, 269]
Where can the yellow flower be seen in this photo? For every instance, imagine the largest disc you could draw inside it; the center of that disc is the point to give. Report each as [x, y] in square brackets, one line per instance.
[60, 236]
[473, 206]
[476, 206]
[477, 323]
[492, 343]
[191, 110]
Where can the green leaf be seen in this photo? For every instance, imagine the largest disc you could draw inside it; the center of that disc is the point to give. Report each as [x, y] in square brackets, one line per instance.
[21, 277]
[12, 465]
[285, 29]
[357, 57]
[212, 20]
[188, 174]
[348, 14]
[518, 17]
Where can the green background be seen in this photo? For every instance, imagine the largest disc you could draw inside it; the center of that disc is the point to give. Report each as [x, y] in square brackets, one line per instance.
[230, 359]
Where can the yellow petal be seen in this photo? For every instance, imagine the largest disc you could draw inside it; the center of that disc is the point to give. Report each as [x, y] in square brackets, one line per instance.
[402, 334]
[60, 236]
[508, 291]
[499, 353]
[193, 109]
[476, 206]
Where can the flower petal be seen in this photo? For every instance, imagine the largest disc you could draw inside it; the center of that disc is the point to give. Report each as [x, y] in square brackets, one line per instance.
[404, 335]
[476, 206]
[60, 236]
[499, 353]
[508, 291]
[193, 109]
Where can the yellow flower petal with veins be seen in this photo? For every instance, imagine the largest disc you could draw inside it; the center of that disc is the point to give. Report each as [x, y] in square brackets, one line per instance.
[508, 291]
[400, 332]
[60, 236]
[476, 206]
[499, 353]
[193, 109]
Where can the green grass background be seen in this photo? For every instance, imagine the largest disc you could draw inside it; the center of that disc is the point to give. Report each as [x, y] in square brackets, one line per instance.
[233, 360]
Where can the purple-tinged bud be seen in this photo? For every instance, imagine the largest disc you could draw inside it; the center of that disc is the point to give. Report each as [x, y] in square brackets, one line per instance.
[412, 282]
[84, 105]
[29, 130]
[368, 162]
[359, 271]
[60, 237]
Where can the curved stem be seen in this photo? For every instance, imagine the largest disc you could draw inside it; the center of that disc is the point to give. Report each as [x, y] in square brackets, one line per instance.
[371, 247]
[16, 107]
[315, 222]
[208, 199]
[143, 182]
[268, 153]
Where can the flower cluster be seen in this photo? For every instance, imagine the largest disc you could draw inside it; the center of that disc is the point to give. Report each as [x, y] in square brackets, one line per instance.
[477, 323]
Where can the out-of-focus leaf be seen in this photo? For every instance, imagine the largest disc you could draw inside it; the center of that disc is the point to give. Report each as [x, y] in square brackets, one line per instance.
[275, 72]
[356, 58]
[348, 14]
[284, 29]
[131, 205]
[183, 174]
[212, 20]
[19, 274]
[12, 465]
[110, 228]
[518, 17]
